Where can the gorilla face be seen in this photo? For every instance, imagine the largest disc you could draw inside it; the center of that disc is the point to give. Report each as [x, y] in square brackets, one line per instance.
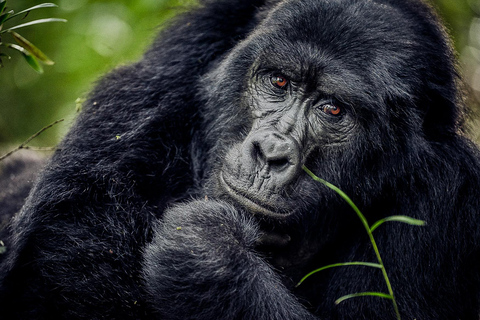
[317, 96]
[290, 119]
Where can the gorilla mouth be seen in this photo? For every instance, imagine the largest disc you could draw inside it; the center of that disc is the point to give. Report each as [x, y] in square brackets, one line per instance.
[251, 204]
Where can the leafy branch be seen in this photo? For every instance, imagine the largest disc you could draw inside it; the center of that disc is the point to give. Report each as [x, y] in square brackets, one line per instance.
[28, 50]
[369, 230]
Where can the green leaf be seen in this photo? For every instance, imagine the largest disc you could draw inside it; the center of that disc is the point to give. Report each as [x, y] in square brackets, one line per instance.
[3, 4]
[31, 48]
[39, 21]
[342, 264]
[40, 6]
[364, 294]
[28, 57]
[4, 16]
[404, 219]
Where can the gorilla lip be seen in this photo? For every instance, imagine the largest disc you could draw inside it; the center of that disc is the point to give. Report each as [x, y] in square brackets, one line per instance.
[252, 205]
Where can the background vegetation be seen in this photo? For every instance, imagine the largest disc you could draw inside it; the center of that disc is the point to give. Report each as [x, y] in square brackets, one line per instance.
[101, 34]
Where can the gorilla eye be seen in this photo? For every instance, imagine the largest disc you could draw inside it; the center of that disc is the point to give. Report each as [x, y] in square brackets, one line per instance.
[330, 109]
[279, 81]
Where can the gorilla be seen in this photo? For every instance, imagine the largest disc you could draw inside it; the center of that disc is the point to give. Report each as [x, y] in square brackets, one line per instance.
[179, 192]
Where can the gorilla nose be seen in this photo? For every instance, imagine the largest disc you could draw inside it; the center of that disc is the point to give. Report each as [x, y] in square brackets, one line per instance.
[276, 153]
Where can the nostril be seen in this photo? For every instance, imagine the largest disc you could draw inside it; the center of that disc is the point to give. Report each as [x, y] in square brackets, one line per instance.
[257, 154]
[278, 164]
[270, 155]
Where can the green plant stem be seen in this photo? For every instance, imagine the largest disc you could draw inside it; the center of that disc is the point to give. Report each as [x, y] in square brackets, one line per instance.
[24, 144]
[384, 272]
[369, 232]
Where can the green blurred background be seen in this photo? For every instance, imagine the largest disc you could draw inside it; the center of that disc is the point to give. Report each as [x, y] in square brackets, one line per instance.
[102, 34]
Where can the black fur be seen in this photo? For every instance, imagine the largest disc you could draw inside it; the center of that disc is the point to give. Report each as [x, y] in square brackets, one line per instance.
[130, 219]
[17, 173]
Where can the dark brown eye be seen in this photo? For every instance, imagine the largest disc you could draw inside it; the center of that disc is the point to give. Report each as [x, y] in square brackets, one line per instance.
[331, 109]
[279, 81]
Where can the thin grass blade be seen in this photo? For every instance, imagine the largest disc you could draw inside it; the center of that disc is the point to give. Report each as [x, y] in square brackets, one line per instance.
[342, 194]
[364, 294]
[404, 219]
[343, 264]
[31, 23]
[40, 6]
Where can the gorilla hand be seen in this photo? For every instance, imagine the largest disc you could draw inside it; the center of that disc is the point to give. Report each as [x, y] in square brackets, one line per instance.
[207, 247]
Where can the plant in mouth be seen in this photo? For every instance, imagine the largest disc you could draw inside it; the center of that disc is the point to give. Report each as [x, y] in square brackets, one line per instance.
[369, 229]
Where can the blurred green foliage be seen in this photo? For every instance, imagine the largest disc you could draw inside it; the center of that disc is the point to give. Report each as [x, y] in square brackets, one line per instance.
[98, 36]
[101, 34]
[8, 29]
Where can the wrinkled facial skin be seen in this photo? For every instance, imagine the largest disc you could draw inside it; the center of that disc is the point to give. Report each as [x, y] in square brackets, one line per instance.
[289, 121]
